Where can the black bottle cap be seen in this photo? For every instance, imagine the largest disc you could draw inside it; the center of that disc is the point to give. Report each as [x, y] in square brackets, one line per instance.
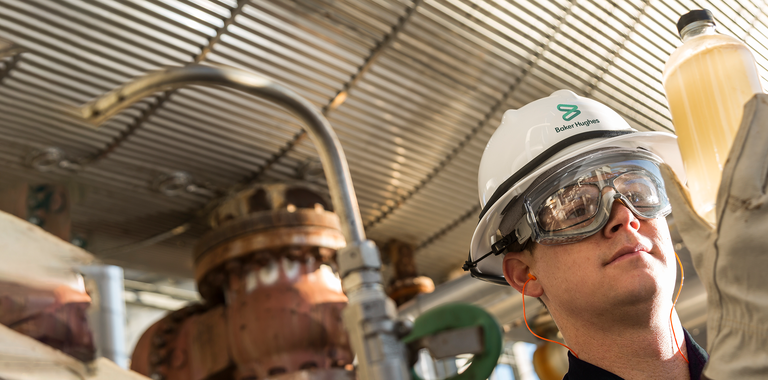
[693, 16]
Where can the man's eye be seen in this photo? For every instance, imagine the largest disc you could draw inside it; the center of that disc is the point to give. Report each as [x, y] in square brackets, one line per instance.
[577, 212]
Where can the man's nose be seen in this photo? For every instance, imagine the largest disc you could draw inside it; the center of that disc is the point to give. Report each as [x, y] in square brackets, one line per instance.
[621, 218]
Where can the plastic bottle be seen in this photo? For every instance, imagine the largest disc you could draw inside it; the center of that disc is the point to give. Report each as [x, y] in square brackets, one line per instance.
[707, 81]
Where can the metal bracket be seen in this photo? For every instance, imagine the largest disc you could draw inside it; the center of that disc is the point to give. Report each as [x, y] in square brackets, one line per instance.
[358, 256]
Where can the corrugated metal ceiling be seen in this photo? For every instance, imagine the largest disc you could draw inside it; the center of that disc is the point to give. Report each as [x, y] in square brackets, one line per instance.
[425, 84]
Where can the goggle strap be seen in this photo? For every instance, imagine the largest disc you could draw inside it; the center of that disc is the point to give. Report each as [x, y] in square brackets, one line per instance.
[497, 248]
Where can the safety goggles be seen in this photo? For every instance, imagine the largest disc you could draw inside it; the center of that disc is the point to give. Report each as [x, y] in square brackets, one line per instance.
[575, 201]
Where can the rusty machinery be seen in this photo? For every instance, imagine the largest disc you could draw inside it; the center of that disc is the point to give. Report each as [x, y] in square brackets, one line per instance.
[406, 283]
[370, 316]
[272, 301]
[44, 332]
[55, 315]
[239, 255]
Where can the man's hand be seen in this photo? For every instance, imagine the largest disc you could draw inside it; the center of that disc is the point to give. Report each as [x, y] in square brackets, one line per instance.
[731, 257]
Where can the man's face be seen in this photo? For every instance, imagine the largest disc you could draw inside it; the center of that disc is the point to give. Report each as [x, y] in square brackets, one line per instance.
[627, 266]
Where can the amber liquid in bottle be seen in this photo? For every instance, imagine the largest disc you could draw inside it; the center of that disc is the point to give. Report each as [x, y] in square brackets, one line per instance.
[707, 82]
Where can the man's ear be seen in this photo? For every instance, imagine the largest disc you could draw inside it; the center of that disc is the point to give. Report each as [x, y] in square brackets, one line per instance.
[516, 272]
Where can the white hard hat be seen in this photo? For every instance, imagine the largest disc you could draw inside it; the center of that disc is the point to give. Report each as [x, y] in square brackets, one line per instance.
[535, 138]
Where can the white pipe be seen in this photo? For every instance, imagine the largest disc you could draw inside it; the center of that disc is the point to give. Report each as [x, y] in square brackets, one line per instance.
[108, 316]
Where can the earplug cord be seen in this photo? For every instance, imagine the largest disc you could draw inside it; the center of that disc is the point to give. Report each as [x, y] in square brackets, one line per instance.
[682, 277]
[532, 277]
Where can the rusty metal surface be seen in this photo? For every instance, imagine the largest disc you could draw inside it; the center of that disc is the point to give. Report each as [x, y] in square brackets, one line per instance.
[19, 302]
[285, 316]
[64, 328]
[283, 302]
[209, 352]
[267, 197]
[190, 344]
[54, 317]
[264, 222]
[273, 301]
[272, 242]
[401, 255]
[267, 221]
[41, 294]
[404, 290]
[406, 282]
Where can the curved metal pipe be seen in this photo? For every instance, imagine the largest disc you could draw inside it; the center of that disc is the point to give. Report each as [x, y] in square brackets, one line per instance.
[369, 315]
[317, 126]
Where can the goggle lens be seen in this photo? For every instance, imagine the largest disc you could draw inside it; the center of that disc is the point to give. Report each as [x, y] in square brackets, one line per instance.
[639, 188]
[576, 205]
[569, 206]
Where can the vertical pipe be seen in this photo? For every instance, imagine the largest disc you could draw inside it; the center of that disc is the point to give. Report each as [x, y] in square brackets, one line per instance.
[108, 312]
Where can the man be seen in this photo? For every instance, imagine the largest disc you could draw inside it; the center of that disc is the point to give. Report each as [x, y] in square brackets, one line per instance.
[573, 213]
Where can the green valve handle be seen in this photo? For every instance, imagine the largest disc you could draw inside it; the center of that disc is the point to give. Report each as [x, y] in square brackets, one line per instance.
[460, 317]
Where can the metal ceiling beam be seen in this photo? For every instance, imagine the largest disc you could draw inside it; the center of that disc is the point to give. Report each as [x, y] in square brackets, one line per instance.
[484, 123]
[342, 94]
[139, 121]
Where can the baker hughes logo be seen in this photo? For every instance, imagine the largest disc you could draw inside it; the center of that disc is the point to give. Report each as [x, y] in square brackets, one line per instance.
[571, 111]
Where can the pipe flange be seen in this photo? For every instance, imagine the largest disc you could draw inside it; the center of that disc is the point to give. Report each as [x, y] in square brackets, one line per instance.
[261, 237]
[272, 222]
